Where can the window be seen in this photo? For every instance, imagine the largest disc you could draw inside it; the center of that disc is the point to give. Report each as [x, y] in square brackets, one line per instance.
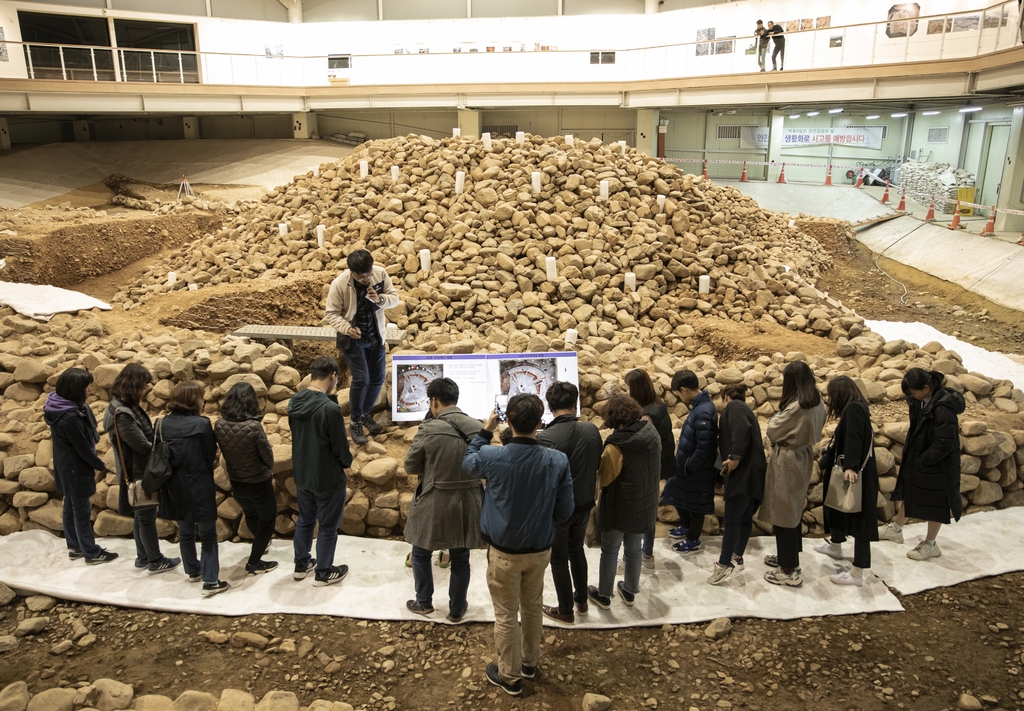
[500, 130]
[884, 127]
[938, 135]
[602, 57]
[731, 131]
[339, 61]
[44, 28]
[154, 35]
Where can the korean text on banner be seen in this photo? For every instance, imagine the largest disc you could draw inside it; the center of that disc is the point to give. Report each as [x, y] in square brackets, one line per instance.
[862, 137]
[754, 137]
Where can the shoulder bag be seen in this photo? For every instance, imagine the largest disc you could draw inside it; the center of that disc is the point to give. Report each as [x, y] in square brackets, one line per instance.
[845, 496]
[138, 497]
[158, 466]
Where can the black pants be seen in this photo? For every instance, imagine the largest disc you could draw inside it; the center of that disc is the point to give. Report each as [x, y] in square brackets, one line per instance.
[739, 514]
[861, 549]
[568, 560]
[694, 523]
[260, 509]
[788, 544]
[779, 49]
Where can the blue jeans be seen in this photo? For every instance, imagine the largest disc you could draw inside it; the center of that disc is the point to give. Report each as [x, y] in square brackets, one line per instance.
[77, 526]
[739, 514]
[147, 542]
[209, 562]
[631, 543]
[458, 581]
[327, 510]
[367, 362]
[649, 542]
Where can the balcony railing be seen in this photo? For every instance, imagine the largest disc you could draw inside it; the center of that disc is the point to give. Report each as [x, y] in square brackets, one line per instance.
[76, 63]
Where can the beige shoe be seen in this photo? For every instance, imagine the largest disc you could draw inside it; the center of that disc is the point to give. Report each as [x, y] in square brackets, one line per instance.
[924, 551]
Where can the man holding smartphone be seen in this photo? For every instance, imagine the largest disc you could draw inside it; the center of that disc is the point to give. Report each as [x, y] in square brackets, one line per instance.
[356, 303]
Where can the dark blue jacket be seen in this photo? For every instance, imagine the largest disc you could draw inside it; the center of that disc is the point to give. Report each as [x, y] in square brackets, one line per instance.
[528, 492]
[73, 433]
[190, 493]
[693, 487]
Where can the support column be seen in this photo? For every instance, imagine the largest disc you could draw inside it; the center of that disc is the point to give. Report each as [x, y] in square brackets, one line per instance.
[651, 7]
[294, 8]
[81, 131]
[469, 123]
[775, 133]
[1011, 190]
[303, 125]
[190, 126]
[5, 135]
[662, 134]
[647, 130]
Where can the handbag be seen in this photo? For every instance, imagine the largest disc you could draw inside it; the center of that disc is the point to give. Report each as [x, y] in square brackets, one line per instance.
[845, 496]
[593, 537]
[158, 467]
[138, 497]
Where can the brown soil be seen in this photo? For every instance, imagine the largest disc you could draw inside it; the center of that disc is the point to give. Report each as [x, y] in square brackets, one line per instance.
[99, 195]
[950, 641]
[730, 340]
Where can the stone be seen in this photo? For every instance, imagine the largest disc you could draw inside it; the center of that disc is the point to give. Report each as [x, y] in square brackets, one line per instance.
[251, 378]
[249, 639]
[215, 637]
[50, 516]
[896, 431]
[181, 368]
[385, 518]
[966, 702]
[61, 647]
[978, 385]
[87, 641]
[6, 595]
[282, 458]
[980, 446]
[113, 695]
[153, 702]
[596, 702]
[110, 523]
[29, 499]
[719, 628]
[278, 701]
[885, 462]
[14, 697]
[32, 625]
[8, 643]
[195, 701]
[37, 479]
[39, 603]
[53, 700]
[105, 375]
[973, 428]
[234, 700]
[220, 371]
[15, 464]
[729, 376]
[23, 392]
[29, 371]
[988, 492]
[380, 471]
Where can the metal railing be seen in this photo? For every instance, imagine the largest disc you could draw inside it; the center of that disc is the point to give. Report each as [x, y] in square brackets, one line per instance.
[77, 63]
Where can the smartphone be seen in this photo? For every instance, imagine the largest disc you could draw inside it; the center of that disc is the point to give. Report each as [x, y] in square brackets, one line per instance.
[500, 403]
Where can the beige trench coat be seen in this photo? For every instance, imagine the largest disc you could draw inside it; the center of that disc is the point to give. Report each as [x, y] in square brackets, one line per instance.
[793, 433]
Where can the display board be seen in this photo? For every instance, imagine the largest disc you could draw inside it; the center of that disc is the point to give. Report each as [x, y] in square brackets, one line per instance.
[481, 377]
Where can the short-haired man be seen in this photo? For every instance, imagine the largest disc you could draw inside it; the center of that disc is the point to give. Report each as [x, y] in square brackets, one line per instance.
[581, 443]
[445, 515]
[776, 32]
[761, 37]
[529, 492]
[356, 303]
[320, 455]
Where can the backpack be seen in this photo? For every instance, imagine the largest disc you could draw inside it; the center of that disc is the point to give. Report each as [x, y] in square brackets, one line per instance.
[158, 466]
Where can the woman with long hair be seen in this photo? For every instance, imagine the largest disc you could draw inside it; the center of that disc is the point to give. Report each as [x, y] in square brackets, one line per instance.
[190, 493]
[131, 436]
[928, 483]
[853, 448]
[743, 466]
[249, 460]
[73, 434]
[793, 432]
[641, 389]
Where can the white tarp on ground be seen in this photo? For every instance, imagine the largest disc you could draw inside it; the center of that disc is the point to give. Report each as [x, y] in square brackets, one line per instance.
[840, 202]
[41, 302]
[989, 363]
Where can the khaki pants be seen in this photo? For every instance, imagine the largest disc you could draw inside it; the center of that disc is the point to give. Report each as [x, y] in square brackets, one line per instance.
[516, 583]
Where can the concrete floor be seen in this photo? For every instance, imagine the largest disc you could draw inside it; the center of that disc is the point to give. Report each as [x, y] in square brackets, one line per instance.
[29, 175]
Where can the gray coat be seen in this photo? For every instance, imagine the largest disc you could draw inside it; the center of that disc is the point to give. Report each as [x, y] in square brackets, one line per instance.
[446, 511]
[793, 433]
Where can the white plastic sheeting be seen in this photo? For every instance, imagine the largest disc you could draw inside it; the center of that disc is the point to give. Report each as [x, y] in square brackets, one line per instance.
[42, 302]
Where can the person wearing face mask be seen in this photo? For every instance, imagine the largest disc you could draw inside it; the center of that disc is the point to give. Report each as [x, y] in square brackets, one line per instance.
[928, 483]
[356, 303]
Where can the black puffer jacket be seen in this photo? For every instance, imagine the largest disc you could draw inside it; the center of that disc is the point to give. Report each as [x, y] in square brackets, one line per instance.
[630, 503]
[247, 453]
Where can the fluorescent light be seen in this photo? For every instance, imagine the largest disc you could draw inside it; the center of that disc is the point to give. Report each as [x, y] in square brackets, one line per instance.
[970, 109]
[872, 117]
[813, 113]
[835, 111]
[930, 113]
[795, 116]
[899, 115]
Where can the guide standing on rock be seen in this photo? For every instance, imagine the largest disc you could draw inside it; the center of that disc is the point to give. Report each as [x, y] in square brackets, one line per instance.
[356, 303]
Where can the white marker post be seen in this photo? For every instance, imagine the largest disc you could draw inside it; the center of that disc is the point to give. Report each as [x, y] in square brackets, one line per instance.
[552, 266]
[569, 140]
[630, 281]
[394, 174]
[172, 278]
[316, 171]
[704, 284]
[424, 260]
[364, 168]
[604, 189]
[486, 138]
[460, 182]
[661, 203]
[521, 138]
[456, 133]
[193, 287]
[282, 229]
[536, 181]
[571, 335]
[623, 144]
[320, 229]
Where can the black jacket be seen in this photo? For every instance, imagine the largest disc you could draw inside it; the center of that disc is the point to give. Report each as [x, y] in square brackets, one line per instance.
[581, 443]
[630, 503]
[663, 423]
[247, 453]
[73, 433]
[739, 438]
[929, 479]
[190, 492]
[693, 486]
[852, 442]
[136, 443]
[320, 452]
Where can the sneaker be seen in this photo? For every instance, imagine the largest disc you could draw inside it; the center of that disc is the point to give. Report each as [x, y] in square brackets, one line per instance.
[678, 532]
[529, 672]
[772, 561]
[597, 598]
[582, 607]
[889, 532]
[924, 551]
[627, 597]
[195, 578]
[408, 560]
[371, 426]
[139, 563]
[211, 589]
[720, 574]
[261, 567]
[552, 612]
[455, 619]
[75, 554]
[105, 556]
[335, 574]
[357, 434]
[514, 689]
[688, 546]
[444, 559]
[777, 577]
[832, 550]
[647, 561]
[418, 607]
[165, 565]
[847, 578]
[737, 561]
[301, 571]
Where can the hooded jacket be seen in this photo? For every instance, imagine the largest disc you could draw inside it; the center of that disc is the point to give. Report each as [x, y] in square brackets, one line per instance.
[136, 443]
[929, 479]
[73, 433]
[190, 493]
[247, 453]
[693, 487]
[320, 452]
[630, 502]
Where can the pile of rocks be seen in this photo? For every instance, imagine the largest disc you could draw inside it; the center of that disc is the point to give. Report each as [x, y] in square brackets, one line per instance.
[939, 179]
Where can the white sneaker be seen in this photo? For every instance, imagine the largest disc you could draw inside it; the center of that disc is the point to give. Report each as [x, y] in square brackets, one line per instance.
[737, 561]
[924, 551]
[777, 577]
[647, 561]
[889, 532]
[832, 550]
[720, 574]
[847, 578]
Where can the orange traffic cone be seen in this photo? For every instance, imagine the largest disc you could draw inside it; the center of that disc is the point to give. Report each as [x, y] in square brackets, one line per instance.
[828, 176]
[902, 207]
[885, 195]
[705, 171]
[930, 216]
[860, 179]
[743, 178]
[990, 226]
[955, 224]
[782, 175]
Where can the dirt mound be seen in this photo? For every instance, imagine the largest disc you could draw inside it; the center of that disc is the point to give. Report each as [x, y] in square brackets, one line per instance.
[836, 236]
